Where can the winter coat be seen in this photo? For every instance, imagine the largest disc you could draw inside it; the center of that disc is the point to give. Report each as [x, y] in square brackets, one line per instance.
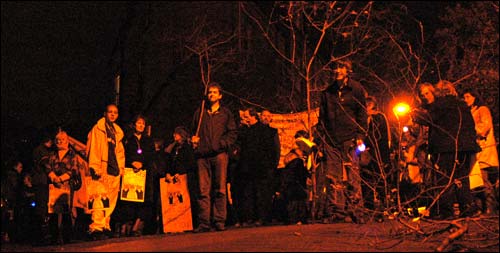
[342, 115]
[146, 157]
[97, 148]
[218, 131]
[488, 157]
[449, 120]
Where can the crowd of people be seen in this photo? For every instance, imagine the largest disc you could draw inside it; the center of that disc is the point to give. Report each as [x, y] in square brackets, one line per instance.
[344, 172]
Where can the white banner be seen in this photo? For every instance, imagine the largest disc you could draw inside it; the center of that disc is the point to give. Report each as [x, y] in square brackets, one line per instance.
[288, 125]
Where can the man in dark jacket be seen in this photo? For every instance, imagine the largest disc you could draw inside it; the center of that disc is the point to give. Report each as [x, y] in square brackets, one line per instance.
[452, 143]
[254, 176]
[343, 124]
[217, 132]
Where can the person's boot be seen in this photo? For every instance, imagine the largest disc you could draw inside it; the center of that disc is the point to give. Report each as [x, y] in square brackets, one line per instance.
[124, 231]
[137, 229]
[117, 230]
[60, 238]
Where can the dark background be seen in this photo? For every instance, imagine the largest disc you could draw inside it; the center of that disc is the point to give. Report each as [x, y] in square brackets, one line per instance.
[59, 61]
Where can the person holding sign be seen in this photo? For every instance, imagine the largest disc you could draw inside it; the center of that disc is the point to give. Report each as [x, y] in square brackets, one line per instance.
[106, 158]
[139, 155]
[180, 176]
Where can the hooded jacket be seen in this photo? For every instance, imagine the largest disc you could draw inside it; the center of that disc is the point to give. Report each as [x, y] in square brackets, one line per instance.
[97, 148]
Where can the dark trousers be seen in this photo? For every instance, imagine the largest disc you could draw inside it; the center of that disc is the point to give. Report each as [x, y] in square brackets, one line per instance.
[254, 198]
[342, 194]
[212, 173]
[452, 180]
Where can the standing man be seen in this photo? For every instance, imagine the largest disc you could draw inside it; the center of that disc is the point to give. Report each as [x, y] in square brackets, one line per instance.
[254, 176]
[217, 132]
[265, 118]
[106, 156]
[343, 122]
[278, 208]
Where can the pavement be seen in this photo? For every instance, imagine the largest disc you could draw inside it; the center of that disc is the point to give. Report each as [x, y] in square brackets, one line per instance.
[390, 235]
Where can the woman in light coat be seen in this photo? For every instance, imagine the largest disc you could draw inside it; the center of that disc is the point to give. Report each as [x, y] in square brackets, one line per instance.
[488, 157]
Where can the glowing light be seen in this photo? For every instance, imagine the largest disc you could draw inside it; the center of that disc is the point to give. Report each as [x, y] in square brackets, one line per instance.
[361, 147]
[139, 151]
[405, 129]
[401, 109]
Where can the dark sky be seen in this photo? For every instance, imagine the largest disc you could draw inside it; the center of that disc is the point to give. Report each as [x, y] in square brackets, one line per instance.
[55, 61]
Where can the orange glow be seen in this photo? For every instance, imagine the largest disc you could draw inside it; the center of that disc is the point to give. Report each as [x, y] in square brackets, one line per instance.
[401, 109]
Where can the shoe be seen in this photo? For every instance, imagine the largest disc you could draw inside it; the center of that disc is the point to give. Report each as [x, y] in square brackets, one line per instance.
[471, 211]
[358, 219]
[247, 224]
[348, 219]
[108, 233]
[201, 229]
[237, 225]
[220, 227]
[59, 240]
[97, 236]
[258, 223]
[137, 233]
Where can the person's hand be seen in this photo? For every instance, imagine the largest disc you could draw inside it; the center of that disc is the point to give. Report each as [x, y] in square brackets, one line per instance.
[168, 178]
[176, 178]
[53, 177]
[170, 147]
[57, 182]
[195, 140]
[137, 166]
[94, 175]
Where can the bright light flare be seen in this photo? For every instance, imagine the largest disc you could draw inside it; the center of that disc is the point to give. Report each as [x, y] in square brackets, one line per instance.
[361, 147]
[405, 129]
[401, 109]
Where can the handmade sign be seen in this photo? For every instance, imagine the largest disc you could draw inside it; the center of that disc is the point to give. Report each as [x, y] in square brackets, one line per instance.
[176, 205]
[133, 185]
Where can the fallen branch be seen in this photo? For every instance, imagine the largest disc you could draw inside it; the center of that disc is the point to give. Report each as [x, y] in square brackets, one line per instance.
[462, 228]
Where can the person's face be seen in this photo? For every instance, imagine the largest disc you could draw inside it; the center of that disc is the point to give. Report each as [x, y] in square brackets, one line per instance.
[111, 113]
[140, 125]
[249, 118]
[177, 138]
[243, 118]
[469, 99]
[265, 117]
[341, 72]
[27, 180]
[214, 95]
[62, 141]
[19, 167]
[370, 107]
[48, 143]
[427, 95]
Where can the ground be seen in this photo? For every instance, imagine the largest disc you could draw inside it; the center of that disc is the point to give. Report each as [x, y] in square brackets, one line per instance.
[402, 235]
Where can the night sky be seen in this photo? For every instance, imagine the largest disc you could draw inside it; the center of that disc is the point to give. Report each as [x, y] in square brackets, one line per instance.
[56, 62]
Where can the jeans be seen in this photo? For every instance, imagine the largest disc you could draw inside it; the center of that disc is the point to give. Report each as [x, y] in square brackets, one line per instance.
[343, 182]
[212, 172]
